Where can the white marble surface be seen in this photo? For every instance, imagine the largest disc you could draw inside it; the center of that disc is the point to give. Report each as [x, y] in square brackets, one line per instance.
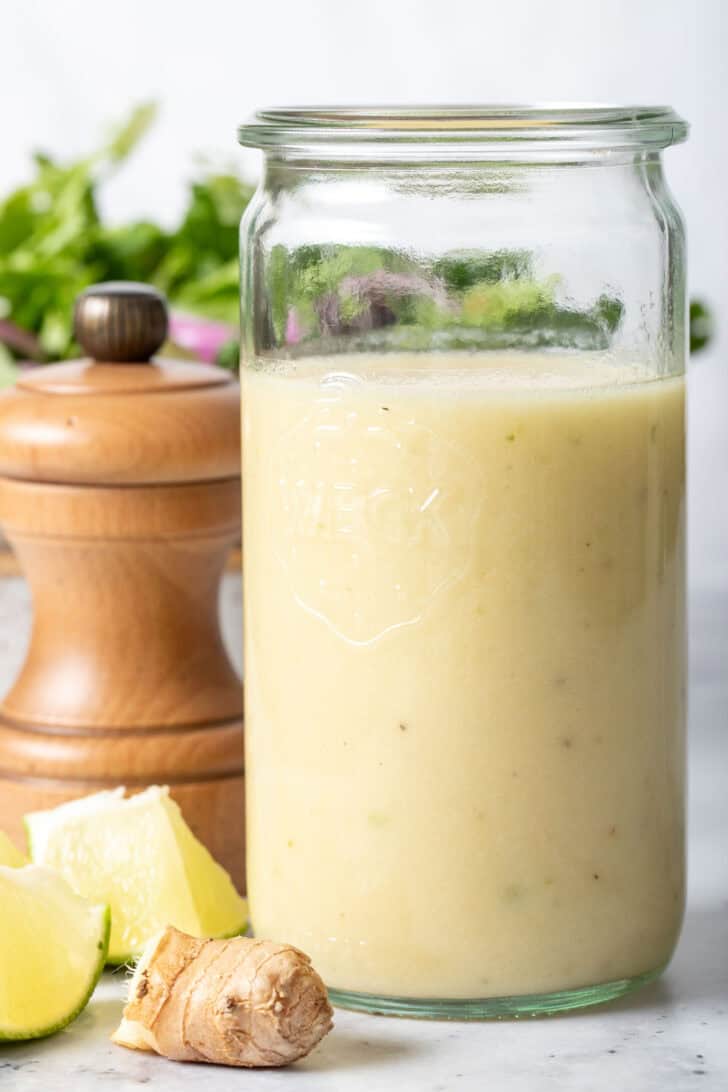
[671, 1037]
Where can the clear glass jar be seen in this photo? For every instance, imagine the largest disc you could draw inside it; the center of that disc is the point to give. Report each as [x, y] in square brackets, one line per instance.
[463, 348]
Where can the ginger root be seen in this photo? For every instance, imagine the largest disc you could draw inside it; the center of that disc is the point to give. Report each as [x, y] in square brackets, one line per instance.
[232, 1002]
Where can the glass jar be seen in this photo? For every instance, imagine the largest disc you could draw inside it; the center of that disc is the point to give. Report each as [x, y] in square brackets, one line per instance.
[463, 436]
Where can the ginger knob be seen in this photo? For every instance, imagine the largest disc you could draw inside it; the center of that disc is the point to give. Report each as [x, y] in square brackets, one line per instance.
[237, 1002]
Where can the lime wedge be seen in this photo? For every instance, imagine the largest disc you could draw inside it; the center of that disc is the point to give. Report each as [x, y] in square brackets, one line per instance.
[53, 946]
[9, 855]
[138, 855]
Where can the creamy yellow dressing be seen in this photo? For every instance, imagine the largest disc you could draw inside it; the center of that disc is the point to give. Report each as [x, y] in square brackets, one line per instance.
[464, 669]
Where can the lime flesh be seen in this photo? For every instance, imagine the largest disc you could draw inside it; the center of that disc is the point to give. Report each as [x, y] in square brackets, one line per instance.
[138, 855]
[53, 946]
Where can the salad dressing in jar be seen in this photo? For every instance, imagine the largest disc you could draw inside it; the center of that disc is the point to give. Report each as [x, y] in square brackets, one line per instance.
[463, 436]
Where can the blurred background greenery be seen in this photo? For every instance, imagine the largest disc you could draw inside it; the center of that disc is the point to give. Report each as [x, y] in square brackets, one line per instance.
[54, 242]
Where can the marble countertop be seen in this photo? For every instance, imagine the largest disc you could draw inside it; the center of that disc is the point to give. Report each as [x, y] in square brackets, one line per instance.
[671, 1037]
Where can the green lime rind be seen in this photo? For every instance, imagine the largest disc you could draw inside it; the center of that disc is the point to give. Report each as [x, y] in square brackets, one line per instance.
[138, 855]
[43, 1033]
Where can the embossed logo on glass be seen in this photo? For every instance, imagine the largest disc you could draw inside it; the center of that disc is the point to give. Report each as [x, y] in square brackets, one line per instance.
[377, 512]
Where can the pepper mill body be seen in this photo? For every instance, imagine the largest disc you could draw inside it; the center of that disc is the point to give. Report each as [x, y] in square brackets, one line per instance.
[120, 494]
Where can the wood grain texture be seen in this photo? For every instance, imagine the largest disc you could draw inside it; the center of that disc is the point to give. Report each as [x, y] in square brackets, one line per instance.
[215, 810]
[89, 377]
[175, 434]
[124, 585]
[10, 566]
[126, 679]
[120, 496]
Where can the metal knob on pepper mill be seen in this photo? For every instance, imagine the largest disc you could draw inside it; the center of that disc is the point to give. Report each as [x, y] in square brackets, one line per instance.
[120, 493]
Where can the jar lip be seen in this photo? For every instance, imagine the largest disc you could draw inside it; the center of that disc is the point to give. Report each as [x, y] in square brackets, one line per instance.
[589, 126]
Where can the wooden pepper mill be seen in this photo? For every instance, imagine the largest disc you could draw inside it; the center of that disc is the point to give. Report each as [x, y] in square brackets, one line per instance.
[120, 493]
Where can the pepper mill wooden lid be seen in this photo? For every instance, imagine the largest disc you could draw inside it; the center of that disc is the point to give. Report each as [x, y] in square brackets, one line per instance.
[121, 416]
[126, 679]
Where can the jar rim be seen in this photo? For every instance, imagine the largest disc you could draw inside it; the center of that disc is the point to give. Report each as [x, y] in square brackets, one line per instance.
[493, 128]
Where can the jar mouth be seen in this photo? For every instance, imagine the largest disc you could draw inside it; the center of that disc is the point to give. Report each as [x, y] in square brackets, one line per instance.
[494, 128]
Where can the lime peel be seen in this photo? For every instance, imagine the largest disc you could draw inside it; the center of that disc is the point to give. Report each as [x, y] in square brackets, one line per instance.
[53, 946]
[138, 854]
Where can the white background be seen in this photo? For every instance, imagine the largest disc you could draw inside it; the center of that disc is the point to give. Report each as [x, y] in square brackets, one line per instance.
[69, 67]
